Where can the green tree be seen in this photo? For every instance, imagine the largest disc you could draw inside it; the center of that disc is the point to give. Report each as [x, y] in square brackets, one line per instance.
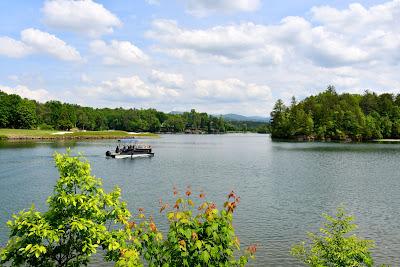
[153, 124]
[280, 120]
[193, 119]
[372, 128]
[81, 217]
[4, 110]
[138, 125]
[12, 101]
[302, 122]
[52, 113]
[67, 118]
[386, 126]
[396, 128]
[174, 123]
[26, 114]
[197, 236]
[369, 102]
[386, 104]
[83, 119]
[335, 246]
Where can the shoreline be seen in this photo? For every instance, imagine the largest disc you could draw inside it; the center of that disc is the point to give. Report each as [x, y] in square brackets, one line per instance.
[38, 138]
[349, 141]
[52, 135]
[101, 137]
[385, 141]
[38, 135]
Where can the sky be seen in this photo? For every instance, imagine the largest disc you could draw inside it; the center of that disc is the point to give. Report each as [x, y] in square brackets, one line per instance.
[217, 56]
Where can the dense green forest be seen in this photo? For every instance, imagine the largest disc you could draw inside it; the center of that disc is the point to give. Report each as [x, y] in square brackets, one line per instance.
[22, 113]
[333, 116]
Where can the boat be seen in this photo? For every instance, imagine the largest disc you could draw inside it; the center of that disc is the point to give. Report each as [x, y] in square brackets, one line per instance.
[130, 148]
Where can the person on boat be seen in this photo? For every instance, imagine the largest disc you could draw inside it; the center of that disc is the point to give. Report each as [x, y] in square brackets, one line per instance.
[117, 149]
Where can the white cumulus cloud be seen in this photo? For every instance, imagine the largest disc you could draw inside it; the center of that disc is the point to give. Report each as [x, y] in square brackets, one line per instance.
[174, 80]
[231, 90]
[82, 16]
[47, 43]
[37, 41]
[356, 17]
[373, 32]
[244, 43]
[126, 89]
[118, 52]
[13, 48]
[332, 38]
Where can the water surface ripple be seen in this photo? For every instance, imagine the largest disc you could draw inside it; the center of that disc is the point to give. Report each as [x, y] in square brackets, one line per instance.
[284, 187]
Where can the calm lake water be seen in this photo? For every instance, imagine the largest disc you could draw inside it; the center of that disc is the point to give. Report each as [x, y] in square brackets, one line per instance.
[284, 187]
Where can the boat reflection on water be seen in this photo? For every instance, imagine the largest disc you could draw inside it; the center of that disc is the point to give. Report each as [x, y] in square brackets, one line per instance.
[130, 148]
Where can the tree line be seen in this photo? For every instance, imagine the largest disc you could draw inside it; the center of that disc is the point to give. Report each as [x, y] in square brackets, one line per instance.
[332, 116]
[22, 113]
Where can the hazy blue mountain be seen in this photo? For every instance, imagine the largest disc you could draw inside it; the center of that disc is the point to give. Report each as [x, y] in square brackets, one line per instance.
[235, 117]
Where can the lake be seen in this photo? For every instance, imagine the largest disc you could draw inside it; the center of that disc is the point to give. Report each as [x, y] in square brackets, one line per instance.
[284, 187]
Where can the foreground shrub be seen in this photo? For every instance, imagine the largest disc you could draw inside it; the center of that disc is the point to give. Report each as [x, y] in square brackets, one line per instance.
[80, 219]
[198, 235]
[335, 246]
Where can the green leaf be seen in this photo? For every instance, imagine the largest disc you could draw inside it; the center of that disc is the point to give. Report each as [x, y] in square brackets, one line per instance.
[198, 244]
[206, 256]
[145, 237]
[28, 247]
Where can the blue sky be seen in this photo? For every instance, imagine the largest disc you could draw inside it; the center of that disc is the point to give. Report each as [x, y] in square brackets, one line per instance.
[217, 56]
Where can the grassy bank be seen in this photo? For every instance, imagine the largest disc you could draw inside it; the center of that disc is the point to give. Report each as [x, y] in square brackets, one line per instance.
[23, 134]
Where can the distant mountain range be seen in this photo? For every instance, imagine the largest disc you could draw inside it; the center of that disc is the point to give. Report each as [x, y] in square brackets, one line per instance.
[176, 112]
[235, 117]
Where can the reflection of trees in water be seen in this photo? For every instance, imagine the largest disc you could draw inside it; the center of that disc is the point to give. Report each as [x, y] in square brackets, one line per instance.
[17, 144]
[63, 144]
[337, 147]
[33, 144]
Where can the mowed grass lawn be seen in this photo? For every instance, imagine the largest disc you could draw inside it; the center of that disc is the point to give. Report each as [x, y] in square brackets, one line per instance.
[23, 133]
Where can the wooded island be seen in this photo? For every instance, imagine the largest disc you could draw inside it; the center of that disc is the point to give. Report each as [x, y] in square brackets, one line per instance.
[333, 116]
